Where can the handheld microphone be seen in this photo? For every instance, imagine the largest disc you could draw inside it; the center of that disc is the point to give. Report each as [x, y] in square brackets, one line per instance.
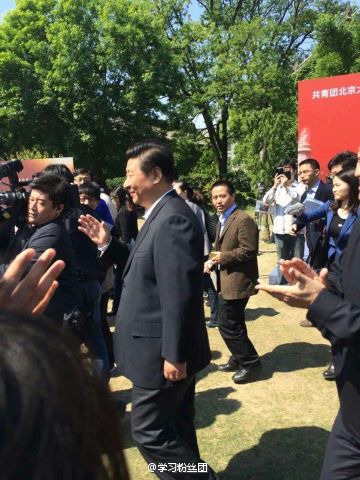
[295, 209]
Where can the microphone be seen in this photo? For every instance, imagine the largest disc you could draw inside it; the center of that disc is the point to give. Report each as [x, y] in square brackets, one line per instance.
[295, 209]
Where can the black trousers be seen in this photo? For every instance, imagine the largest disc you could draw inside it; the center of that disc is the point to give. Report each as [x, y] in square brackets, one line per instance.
[162, 423]
[234, 332]
[342, 456]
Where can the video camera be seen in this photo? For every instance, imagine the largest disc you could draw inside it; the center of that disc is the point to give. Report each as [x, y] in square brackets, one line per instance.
[12, 202]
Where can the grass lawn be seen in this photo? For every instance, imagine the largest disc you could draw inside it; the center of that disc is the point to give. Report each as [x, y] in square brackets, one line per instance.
[272, 429]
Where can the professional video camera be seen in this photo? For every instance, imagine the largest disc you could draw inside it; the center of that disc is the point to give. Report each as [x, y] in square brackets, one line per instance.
[13, 201]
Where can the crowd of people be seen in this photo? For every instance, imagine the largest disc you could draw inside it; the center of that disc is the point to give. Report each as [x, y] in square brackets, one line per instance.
[79, 244]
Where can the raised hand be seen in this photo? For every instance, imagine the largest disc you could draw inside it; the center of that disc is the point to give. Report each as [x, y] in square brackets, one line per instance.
[32, 293]
[97, 231]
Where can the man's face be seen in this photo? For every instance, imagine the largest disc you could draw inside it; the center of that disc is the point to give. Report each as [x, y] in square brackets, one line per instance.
[41, 209]
[82, 178]
[357, 170]
[308, 175]
[221, 198]
[140, 186]
[90, 201]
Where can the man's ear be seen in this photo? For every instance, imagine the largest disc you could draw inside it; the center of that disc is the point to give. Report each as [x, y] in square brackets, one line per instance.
[157, 174]
[60, 207]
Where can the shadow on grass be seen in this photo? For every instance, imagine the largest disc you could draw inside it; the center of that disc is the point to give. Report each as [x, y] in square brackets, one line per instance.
[213, 402]
[291, 357]
[255, 313]
[284, 454]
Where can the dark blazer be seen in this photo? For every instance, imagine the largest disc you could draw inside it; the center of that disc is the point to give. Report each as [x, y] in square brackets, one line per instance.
[161, 315]
[238, 244]
[54, 235]
[325, 212]
[323, 193]
[314, 230]
[336, 314]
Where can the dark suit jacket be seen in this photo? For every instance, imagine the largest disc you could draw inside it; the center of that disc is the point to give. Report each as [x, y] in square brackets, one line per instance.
[54, 235]
[161, 313]
[337, 315]
[238, 244]
[314, 230]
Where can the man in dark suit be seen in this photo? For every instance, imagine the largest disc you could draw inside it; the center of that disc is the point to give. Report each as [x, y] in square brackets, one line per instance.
[236, 262]
[334, 308]
[45, 229]
[309, 171]
[161, 340]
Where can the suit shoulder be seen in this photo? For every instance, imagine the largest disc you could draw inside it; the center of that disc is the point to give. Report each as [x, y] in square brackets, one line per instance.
[242, 216]
[51, 227]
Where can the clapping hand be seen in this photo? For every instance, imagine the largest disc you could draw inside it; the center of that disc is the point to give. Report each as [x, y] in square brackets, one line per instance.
[304, 284]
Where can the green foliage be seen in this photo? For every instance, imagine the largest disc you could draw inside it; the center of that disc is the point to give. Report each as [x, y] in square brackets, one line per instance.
[337, 50]
[88, 78]
[83, 78]
[33, 153]
[114, 182]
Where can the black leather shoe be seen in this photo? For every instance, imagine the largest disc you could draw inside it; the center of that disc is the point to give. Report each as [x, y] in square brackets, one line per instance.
[246, 374]
[329, 373]
[231, 366]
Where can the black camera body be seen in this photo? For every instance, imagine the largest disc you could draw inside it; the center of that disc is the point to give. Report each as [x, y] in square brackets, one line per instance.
[281, 171]
[13, 203]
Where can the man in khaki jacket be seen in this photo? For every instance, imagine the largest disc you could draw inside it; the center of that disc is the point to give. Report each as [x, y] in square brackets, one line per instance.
[236, 244]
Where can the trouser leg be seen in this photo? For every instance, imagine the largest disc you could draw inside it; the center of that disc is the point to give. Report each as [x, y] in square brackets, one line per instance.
[342, 456]
[212, 296]
[233, 330]
[162, 422]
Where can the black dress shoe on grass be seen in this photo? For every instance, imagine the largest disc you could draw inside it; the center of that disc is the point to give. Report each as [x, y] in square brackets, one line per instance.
[329, 373]
[247, 374]
[231, 366]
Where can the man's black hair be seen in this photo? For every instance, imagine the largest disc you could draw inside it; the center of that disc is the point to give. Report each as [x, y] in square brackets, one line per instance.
[91, 189]
[151, 154]
[60, 170]
[83, 171]
[347, 159]
[224, 183]
[57, 189]
[312, 162]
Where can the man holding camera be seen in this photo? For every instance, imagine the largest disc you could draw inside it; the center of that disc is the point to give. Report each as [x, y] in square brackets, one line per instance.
[45, 229]
[284, 192]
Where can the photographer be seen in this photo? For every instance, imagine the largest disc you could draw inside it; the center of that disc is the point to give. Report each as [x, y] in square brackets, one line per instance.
[48, 200]
[284, 192]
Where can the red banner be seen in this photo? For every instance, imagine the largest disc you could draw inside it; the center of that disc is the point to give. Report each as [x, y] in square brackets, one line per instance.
[329, 117]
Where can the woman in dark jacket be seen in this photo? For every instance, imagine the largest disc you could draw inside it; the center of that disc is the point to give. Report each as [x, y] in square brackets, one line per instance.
[340, 217]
